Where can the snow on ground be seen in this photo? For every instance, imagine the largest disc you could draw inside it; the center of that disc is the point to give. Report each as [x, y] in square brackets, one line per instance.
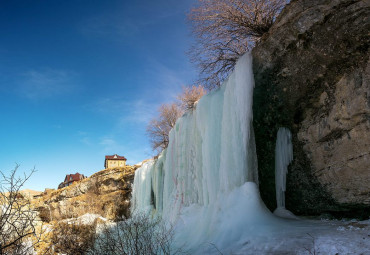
[86, 219]
[305, 237]
[239, 223]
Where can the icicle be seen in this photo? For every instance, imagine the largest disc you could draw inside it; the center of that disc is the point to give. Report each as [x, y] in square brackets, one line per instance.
[283, 157]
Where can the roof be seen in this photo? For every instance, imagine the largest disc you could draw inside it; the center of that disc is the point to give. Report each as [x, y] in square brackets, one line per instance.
[75, 177]
[115, 157]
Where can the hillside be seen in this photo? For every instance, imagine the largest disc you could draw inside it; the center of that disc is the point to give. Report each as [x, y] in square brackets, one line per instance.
[31, 192]
[106, 193]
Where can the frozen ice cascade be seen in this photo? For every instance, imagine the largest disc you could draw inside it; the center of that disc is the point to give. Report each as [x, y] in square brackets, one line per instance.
[205, 183]
[209, 170]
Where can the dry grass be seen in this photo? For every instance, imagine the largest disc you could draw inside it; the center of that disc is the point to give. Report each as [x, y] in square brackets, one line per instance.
[105, 193]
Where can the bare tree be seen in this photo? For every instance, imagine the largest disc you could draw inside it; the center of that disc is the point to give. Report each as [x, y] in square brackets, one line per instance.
[190, 96]
[225, 30]
[159, 128]
[18, 223]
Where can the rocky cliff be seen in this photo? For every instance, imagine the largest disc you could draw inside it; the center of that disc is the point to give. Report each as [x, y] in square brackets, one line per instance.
[106, 193]
[312, 75]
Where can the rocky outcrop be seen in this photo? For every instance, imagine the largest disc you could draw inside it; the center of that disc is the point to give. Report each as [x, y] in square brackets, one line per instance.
[312, 75]
[106, 193]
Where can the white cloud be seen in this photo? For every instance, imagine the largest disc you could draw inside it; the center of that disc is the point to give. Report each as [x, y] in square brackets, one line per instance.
[140, 112]
[84, 138]
[167, 81]
[108, 142]
[109, 25]
[39, 84]
[122, 23]
[110, 146]
[135, 111]
[86, 141]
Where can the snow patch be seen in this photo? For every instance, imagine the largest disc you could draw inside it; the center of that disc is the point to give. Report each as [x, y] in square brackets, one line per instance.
[86, 219]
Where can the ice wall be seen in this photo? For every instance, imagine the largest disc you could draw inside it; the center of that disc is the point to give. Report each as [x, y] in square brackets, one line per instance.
[205, 181]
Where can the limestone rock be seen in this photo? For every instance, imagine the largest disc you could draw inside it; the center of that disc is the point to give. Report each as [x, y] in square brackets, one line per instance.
[338, 142]
[106, 193]
[312, 75]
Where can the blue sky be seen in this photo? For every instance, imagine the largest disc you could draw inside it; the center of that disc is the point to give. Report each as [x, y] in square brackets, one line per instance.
[80, 80]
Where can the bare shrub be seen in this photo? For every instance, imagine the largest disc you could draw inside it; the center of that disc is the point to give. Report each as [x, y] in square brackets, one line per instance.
[311, 251]
[225, 30]
[159, 128]
[95, 185]
[121, 209]
[18, 220]
[73, 238]
[139, 235]
[190, 96]
[45, 214]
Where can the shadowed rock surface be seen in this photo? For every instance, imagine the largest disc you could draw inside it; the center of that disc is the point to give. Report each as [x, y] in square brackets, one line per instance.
[312, 75]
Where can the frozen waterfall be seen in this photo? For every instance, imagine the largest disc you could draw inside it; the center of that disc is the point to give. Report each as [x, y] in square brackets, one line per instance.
[204, 184]
[205, 181]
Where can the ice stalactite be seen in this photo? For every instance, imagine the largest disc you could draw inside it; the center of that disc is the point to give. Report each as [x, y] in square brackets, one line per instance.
[283, 157]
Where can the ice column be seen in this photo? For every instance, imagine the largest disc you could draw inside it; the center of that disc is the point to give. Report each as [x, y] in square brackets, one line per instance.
[283, 157]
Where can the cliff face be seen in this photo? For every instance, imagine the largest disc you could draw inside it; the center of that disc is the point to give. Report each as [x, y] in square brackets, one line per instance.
[107, 193]
[312, 75]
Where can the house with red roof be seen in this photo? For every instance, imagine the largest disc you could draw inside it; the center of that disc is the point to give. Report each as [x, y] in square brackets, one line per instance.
[71, 178]
[114, 161]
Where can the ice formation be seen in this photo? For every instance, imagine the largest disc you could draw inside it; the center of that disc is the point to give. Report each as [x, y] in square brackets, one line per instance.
[283, 157]
[210, 161]
[204, 183]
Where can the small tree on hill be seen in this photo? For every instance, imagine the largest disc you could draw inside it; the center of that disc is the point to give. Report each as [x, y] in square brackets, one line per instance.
[190, 96]
[159, 128]
[225, 30]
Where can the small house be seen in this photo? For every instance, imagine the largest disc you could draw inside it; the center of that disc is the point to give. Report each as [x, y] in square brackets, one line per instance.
[114, 161]
[71, 178]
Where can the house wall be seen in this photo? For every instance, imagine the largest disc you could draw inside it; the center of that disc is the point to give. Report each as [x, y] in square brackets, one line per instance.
[115, 163]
